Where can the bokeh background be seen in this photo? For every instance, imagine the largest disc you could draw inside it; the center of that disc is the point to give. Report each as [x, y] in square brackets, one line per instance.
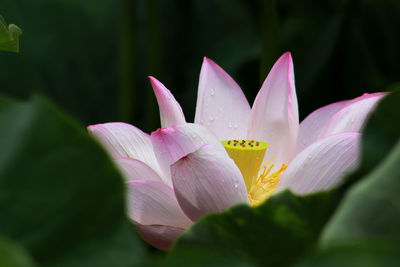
[93, 57]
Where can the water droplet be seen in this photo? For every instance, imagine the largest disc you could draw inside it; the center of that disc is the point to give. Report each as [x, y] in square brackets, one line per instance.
[201, 121]
[236, 185]
[212, 92]
[212, 118]
[230, 125]
[236, 126]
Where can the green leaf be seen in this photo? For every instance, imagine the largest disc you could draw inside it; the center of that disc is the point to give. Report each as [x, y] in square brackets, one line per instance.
[371, 208]
[9, 36]
[12, 255]
[61, 197]
[284, 225]
[357, 254]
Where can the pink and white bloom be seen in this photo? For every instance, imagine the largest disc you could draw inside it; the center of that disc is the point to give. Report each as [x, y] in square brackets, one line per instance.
[174, 176]
[182, 171]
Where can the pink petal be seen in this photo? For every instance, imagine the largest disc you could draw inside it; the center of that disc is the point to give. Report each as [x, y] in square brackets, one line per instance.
[221, 105]
[159, 236]
[170, 111]
[352, 116]
[172, 143]
[322, 165]
[315, 124]
[134, 169]
[154, 203]
[123, 140]
[274, 117]
[207, 180]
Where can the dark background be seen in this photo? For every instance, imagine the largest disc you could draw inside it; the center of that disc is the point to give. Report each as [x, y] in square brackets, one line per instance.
[93, 57]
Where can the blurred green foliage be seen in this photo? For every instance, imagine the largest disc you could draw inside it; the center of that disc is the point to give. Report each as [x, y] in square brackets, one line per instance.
[93, 57]
[61, 197]
[12, 255]
[9, 36]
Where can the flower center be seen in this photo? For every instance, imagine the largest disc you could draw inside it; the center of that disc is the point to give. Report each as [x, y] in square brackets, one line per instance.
[248, 156]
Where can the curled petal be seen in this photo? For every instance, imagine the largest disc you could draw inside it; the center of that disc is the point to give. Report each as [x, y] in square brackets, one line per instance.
[170, 111]
[207, 180]
[133, 169]
[314, 124]
[172, 143]
[154, 203]
[159, 236]
[123, 140]
[221, 105]
[322, 165]
[352, 116]
[274, 117]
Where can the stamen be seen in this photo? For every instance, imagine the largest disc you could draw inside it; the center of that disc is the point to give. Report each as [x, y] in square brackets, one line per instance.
[265, 184]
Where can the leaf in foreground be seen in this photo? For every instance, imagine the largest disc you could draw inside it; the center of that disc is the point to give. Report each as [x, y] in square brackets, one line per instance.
[278, 232]
[61, 197]
[364, 229]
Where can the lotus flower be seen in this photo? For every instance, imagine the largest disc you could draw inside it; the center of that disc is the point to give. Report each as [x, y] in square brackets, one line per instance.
[232, 153]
